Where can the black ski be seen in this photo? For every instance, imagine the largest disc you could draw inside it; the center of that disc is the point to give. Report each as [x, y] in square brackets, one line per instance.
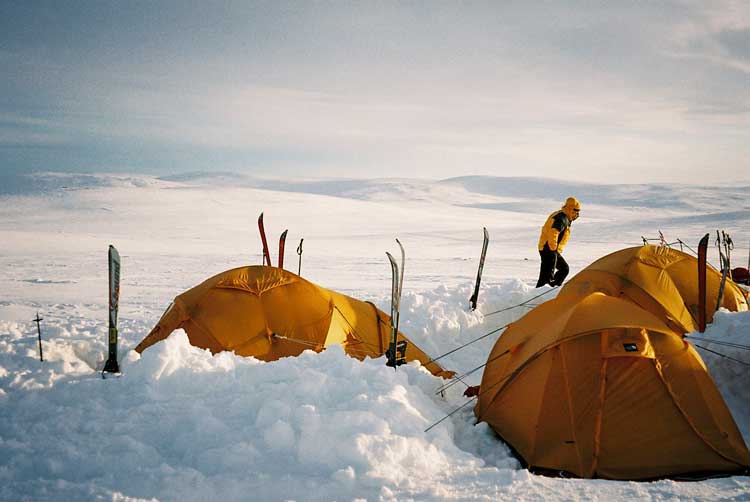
[262, 229]
[702, 257]
[282, 243]
[111, 365]
[475, 296]
[396, 354]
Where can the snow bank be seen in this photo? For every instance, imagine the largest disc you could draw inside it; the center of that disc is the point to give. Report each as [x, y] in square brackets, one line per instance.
[181, 424]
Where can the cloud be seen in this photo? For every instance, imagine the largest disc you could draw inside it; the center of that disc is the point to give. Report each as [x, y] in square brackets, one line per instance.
[736, 43]
[716, 32]
[505, 88]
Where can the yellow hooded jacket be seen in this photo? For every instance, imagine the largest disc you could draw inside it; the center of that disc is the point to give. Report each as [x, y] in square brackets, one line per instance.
[556, 230]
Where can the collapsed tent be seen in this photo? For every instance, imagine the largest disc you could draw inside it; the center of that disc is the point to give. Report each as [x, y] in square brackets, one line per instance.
[602, 388]
[660, 279]
[269, 313]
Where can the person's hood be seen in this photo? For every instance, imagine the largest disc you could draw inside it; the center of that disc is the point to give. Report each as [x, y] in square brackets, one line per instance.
[572, 208]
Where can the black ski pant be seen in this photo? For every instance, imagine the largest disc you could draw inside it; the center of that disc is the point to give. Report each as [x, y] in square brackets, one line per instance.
[554, 268]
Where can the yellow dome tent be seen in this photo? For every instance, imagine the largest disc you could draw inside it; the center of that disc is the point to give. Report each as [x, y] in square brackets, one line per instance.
[599, 387]
[269, 313]
[662, 280]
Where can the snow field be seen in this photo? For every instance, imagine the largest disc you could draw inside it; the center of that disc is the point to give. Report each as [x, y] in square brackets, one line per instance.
[181, 424]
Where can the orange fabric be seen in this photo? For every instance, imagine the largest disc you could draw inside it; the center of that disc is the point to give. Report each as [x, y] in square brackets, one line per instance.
[600, 387]
[269, 313]
[662, 280]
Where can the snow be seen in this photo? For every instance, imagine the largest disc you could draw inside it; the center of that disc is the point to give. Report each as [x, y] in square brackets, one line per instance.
[181, 424]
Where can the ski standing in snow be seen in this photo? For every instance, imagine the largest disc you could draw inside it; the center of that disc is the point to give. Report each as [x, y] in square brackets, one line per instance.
[396, 354]
[262, 229]
[475, 295]
[111, 365]
[282, 242]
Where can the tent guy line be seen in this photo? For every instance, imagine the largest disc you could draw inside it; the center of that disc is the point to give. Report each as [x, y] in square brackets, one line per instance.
[719, 342]
[722, 355]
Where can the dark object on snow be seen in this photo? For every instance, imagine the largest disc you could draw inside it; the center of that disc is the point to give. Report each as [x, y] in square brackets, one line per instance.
[111, 365]
[472, 391]
[475, 295]
[299, 253]
[396, 353]
[702, 252]
[37, 320]
[741, 275]
[282, 243]
[262, 229]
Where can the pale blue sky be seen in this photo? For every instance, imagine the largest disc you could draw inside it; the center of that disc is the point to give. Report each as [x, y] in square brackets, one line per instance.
[594, 91]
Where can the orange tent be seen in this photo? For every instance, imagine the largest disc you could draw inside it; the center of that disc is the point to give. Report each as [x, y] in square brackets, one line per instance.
[662, 280]
[269, 313]
[600, 387]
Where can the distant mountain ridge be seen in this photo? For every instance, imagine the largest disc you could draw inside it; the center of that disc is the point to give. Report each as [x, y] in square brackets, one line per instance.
[672, 196]
[514, 194]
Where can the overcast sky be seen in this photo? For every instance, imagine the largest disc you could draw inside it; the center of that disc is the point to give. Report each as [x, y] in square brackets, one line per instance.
[591, 91]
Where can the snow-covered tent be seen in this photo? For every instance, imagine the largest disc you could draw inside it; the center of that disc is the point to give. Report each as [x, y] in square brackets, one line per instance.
[600, 387]
[662, 280]
[269, 313]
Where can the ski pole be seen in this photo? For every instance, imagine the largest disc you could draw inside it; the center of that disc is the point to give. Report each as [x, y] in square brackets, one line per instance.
[729, 246]
[39, 333]
[299, 252]
[725, 269]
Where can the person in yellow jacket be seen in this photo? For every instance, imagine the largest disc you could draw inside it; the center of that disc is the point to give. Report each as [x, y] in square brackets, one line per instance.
[555, 234]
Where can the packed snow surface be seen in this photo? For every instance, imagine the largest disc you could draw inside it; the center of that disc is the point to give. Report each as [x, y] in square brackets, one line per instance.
[181, 424]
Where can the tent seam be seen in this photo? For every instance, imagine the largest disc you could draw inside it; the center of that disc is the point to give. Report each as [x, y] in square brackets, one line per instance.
[532, 450]
[599, 414]
[646, 293]
[657, 366]
[570, 409]
[378, 321]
